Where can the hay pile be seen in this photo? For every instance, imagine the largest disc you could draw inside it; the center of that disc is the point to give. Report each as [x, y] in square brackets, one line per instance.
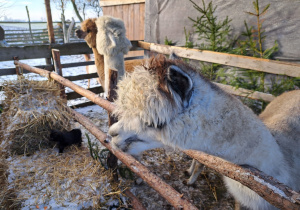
[30, 110]
[47, 180]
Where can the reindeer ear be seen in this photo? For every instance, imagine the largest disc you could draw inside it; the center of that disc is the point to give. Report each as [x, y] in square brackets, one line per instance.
[181, 83]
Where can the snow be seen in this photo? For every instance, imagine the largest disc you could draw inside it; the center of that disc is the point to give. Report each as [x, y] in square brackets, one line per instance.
[37, 194]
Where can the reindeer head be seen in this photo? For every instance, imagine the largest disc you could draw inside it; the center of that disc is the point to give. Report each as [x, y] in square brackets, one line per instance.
[88, 32]
[149, 99]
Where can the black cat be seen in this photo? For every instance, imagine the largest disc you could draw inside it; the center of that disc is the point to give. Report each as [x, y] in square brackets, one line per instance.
[66, 138]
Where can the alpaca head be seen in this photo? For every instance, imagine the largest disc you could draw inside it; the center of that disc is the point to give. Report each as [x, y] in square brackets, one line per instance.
[148, 100]
[111, 36]
[88, 32]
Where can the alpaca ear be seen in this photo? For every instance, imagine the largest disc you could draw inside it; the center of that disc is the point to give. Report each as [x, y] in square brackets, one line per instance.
[173, 56]
[181, 83]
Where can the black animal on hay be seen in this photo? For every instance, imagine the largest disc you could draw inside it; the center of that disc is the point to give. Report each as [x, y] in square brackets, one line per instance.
[66, 138]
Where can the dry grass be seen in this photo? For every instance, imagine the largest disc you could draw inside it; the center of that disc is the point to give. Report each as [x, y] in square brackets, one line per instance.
[71, 178]
[30, 110]
[7, 196]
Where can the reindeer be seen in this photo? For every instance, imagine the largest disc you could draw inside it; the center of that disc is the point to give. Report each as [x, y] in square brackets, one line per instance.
[167, 102]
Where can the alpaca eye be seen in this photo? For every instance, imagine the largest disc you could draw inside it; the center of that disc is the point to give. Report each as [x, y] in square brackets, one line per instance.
[150, 125]
[159, 126]
[88, 31]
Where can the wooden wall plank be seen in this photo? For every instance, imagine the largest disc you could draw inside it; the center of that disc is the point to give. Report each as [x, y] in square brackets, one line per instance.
[131, 21]
[142, 22]
[133, 16]
[106, 3]
[126, 19]
[137, 22]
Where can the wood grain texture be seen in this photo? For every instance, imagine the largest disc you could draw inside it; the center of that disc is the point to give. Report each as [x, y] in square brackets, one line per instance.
[258, 64]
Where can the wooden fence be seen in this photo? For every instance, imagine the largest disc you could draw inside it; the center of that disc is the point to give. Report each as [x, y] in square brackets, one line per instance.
[44, 51]
[21, 37]
[277, 194]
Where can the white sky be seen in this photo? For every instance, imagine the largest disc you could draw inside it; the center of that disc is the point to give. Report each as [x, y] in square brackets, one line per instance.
[15, 9]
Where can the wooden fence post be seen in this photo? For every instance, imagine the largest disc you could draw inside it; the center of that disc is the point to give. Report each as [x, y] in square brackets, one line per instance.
[58, 69]
[49, 26]
[112, 160]
[18, 68]
[29, 24]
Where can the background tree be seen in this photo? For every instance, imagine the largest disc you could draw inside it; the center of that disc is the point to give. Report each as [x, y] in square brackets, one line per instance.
[4, 4]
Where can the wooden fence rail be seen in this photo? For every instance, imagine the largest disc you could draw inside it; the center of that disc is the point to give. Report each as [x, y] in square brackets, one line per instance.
[277, 194]
[44, 51]
[246, 62]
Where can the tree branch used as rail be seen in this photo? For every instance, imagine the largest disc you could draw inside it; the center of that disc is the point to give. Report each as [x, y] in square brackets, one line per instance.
[266, 186]
[166, 191]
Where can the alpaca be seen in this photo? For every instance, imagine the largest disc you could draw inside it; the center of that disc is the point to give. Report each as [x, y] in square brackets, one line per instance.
[194, 170]
[281, 118]
[90, 69]
[167, 102]
[112, 44]
[66, 138]
[88, 32]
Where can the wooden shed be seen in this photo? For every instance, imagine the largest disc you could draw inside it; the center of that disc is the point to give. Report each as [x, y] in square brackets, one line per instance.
[132, 12]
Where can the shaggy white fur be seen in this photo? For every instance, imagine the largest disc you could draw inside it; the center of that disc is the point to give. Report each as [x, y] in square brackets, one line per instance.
[166, 102]
[113, 44]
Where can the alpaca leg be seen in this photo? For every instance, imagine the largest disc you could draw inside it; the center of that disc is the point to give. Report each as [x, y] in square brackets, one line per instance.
[237, 205]
[191, 169]
[195, 170]
[87, 57]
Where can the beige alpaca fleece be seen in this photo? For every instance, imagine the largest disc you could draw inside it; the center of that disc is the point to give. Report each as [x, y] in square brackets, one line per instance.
[88, 32]
[113, 44]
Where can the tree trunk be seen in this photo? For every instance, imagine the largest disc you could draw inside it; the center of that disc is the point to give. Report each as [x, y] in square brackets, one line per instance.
[76, 10]
[29, 24]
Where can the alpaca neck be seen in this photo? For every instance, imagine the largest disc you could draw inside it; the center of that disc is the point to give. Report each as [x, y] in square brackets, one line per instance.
[115, 62]
[228, 129]
[99, 62]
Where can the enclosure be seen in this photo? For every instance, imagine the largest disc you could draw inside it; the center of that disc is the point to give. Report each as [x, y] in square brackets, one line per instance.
[277, 194]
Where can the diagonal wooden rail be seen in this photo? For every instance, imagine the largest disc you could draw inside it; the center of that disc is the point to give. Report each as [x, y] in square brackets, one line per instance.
[270, 189]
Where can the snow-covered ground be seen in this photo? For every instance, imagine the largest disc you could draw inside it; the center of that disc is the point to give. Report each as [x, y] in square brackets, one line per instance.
[37, 194]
